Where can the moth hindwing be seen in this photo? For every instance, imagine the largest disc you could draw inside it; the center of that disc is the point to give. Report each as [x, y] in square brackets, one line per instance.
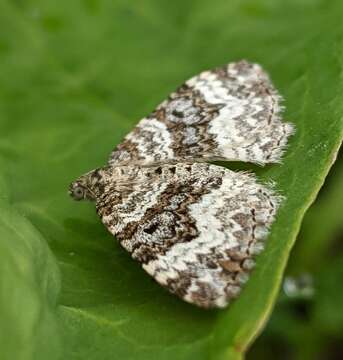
[195, 227]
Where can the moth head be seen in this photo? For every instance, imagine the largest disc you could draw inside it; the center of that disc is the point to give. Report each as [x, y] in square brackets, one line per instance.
[77, 191]
[83, 188]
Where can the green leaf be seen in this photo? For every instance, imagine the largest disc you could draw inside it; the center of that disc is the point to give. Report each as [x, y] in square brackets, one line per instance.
[29, 285]
[76, 76]
[321, 225]
[306, 327]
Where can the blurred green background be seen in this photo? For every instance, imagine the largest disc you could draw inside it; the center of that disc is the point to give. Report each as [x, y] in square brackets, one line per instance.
[75, 76]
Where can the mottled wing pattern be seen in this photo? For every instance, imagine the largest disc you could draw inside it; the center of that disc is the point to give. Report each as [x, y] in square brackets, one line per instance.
[194, 227]
[229, 113]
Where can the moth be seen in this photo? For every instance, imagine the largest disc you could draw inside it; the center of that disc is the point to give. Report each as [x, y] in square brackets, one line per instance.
[195, 227]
